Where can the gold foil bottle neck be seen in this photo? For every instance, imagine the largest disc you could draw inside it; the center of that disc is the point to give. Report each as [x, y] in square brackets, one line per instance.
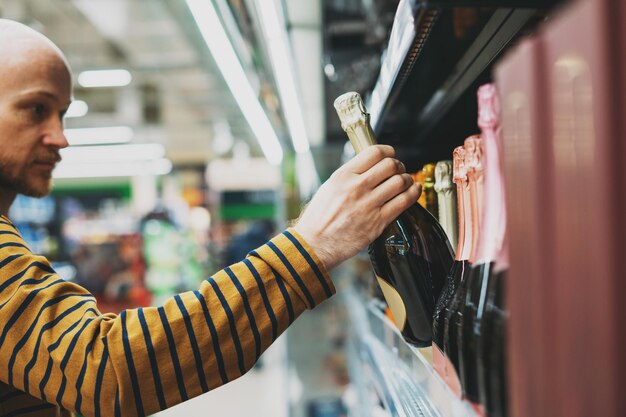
[355, 120]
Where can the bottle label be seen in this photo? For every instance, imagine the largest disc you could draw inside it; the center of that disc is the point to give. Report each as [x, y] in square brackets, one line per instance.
[395, 302]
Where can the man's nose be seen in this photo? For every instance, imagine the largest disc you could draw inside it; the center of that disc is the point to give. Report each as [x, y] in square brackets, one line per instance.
[55, 136]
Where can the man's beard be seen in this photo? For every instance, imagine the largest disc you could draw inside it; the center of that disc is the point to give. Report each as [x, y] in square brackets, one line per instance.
[20, 184]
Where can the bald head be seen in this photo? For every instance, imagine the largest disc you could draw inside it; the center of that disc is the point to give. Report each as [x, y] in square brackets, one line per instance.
[19, 42]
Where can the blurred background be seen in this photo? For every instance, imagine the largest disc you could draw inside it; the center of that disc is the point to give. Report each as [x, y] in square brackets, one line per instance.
[200, 128]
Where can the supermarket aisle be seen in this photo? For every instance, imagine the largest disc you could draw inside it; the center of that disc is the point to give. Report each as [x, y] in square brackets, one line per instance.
[259, 393]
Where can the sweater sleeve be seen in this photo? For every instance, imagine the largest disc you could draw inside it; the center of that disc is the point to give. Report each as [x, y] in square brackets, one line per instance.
[57, 346]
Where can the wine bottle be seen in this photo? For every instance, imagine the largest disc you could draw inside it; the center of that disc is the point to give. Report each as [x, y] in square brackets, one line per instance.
[447, 200]
[490, 244]
[459, 272]
[464, 316]
[446, 195]
[412, 256]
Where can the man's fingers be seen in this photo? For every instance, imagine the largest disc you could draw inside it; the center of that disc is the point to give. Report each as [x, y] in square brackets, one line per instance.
[394, 207]
[390, 188]
[369, 157]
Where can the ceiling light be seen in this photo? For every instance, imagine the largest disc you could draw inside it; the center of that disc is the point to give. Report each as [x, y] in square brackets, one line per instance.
[104, 78]
[161, 166]
[226, 59]
[78, 108]
[282, 60]
[112, 153]
[99, 135]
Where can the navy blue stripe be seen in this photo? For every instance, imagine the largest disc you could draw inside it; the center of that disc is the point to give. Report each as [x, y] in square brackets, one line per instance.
[51, 348]
[310, 261]
[216, 345]
[42, 266]
[194, 343]
[13, 245]
[4, 232]
[30, 330]
[99, 377]
[266, 301]
[231, 322]
[46, 327]
[283, 290]
[81, 375]
[246, 305]
[65, 360]
[293, 273]
[131, 366]
[8, 259]
[153, 361]
[34, 281]
[118, 409]
[30, 409]
[173, 354]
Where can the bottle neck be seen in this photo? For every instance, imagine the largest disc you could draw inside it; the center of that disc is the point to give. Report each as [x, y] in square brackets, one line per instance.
[361, 135]
[447, 203]
[493, 220]
[464, 245]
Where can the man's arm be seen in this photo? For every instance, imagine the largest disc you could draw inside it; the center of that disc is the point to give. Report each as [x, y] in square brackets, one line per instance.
[56, 345]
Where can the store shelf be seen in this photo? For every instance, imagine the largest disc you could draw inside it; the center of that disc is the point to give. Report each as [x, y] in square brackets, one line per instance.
[429, 70]
[499, 31]
[402, 376]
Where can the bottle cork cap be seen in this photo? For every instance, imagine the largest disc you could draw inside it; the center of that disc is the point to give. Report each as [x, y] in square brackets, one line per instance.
[350, 109]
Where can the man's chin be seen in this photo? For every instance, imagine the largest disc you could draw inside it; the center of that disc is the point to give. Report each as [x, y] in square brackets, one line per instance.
[36, 190]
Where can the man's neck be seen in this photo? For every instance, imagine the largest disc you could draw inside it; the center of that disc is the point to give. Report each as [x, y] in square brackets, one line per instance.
[6, 199]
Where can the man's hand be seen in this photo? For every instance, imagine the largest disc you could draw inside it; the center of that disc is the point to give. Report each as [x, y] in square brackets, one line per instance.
[357, 202]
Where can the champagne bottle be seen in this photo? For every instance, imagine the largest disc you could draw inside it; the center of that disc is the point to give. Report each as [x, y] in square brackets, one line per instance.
[412, 256]
[490, 244]
[459, 272]
[463, 319]
[446, 195]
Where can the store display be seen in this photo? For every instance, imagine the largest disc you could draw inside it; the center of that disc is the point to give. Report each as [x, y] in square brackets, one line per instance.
[526, 159]
[447, 200]
[459, 273]
[582, 90]
[412, 256]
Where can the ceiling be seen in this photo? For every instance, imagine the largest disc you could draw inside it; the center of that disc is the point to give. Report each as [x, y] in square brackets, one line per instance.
[178, 97]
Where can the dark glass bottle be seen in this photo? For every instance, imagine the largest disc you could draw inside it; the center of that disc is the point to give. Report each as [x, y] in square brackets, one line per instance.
[412, 256]
[459, 271]
[491, 249]
[459, 322]
[492, 348]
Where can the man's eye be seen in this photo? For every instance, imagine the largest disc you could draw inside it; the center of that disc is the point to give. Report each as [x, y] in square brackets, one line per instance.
[39, 111]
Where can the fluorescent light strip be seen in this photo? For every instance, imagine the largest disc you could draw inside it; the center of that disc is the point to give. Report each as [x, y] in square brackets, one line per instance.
[78, 108]
[105, 78]
[161, 166]
[112, 153]
[99, 135]
[282, 62]
[224, 55]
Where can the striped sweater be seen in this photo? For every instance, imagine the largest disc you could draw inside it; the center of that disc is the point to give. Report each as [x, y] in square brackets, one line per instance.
[56, 347]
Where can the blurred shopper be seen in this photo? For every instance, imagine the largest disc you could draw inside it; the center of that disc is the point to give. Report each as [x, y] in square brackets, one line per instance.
[57, 349]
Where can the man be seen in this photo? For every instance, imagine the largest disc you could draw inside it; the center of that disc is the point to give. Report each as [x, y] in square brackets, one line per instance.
[57, 349]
